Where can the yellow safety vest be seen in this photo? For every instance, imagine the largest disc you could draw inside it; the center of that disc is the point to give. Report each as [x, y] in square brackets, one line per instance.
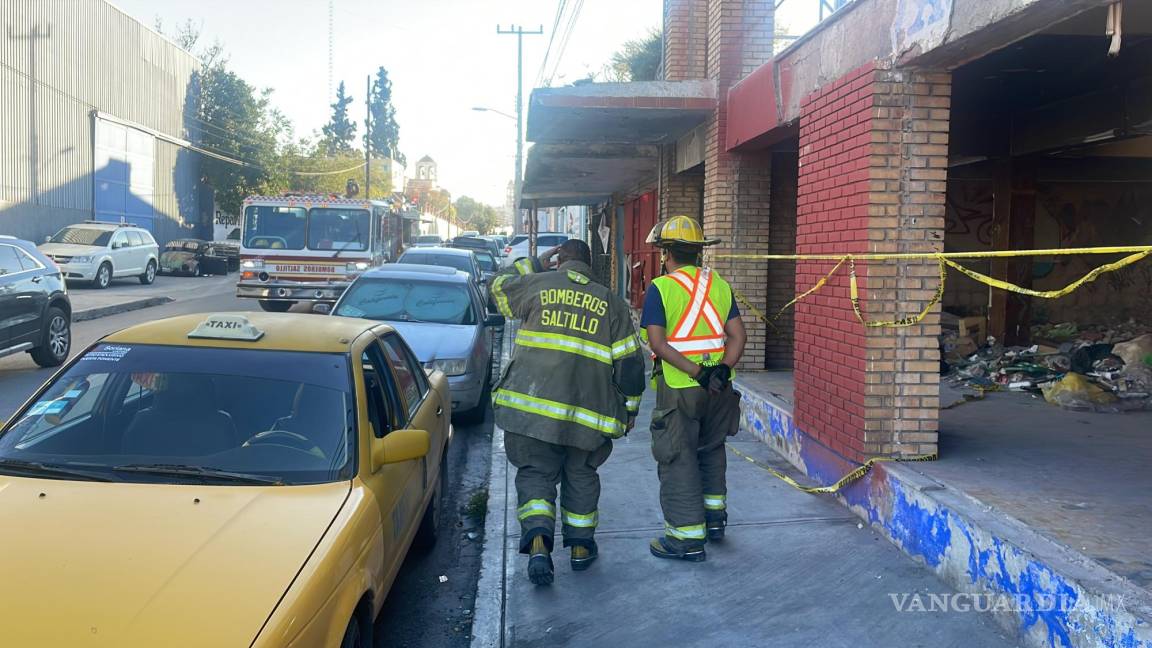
[696, 303]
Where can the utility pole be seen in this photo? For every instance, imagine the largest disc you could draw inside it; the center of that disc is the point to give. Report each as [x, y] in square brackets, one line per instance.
[33, 142]
[520, 33]
[368, 143]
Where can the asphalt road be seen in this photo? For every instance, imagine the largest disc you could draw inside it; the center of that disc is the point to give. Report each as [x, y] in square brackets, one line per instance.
[421, 611]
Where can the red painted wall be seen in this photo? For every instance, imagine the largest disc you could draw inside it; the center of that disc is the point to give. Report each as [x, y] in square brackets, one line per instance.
[832, 217]
[642, 258]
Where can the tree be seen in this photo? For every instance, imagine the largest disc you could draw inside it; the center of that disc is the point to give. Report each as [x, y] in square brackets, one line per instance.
[339, 132]
[476, 215]
[637, 60]
[229, 117]
[385, 138]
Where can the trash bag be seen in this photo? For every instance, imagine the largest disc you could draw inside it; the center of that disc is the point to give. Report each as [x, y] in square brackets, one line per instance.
[1075, 391]
[1085, 358]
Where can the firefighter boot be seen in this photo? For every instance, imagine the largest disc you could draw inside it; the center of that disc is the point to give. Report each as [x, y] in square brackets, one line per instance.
[714, 525]
[540, 568]
[661, 548]
[583, 555]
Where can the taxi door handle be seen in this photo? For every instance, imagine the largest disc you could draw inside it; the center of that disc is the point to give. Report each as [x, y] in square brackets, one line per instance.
[439, 410]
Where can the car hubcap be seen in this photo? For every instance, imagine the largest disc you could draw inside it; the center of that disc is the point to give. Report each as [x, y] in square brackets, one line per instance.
[58, 337]
[151, 272]
[103, 276]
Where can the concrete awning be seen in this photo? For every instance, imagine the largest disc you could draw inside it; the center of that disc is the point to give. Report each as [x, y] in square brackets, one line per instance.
[598, 139]
[585, 174]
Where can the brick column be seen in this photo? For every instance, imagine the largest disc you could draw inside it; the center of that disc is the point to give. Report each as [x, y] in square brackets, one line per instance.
[737, 186]
[873, 169]
[685, 39]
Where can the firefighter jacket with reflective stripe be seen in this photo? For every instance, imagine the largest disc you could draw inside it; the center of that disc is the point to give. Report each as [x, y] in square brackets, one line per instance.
[577, 371]
[696, 304]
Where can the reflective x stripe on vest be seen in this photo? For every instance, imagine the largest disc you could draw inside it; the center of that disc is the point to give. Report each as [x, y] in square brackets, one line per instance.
[700, 329]
[693, 300]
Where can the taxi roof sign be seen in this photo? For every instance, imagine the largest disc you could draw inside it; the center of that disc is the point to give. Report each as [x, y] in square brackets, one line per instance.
[226, 327]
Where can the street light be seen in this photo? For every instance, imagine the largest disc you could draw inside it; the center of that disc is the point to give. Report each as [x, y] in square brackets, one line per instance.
[493, 110]
[519, 177]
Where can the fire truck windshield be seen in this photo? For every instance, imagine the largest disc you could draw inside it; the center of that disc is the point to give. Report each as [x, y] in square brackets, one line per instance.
[338, 229]
[295, 228]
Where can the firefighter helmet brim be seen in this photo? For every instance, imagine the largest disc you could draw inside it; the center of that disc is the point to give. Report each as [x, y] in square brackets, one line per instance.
[678, 230]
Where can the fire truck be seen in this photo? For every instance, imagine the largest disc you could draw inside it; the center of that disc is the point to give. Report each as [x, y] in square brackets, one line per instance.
[309, 247]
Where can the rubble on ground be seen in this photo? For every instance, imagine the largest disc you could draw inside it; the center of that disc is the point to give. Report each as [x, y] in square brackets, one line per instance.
[1096, 368]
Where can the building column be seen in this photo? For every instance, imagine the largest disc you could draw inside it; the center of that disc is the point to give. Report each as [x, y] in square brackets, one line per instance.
[737, 187]
[873, 172]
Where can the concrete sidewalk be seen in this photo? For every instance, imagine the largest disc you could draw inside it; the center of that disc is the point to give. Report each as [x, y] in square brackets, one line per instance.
[795, 570]
[127, 294]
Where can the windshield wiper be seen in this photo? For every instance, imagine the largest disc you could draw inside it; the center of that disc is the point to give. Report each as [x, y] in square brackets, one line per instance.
[37, 469]
[348, 245]
[204, 472]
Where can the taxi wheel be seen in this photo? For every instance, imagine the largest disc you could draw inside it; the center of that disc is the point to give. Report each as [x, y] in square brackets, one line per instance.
[355, 635]
[429, 530]
[276, 306]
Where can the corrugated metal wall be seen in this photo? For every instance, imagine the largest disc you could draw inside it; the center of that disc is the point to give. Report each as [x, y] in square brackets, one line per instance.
[59, 61]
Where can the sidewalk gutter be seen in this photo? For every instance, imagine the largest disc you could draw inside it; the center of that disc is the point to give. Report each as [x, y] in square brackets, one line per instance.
[488, 621]
[1067, 599]
[116, 309]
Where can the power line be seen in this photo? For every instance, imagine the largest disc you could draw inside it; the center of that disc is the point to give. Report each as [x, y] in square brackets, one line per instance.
[560, 5]
[569, 29]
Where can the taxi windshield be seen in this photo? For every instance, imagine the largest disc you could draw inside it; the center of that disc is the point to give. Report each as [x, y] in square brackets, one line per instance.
[150, 413]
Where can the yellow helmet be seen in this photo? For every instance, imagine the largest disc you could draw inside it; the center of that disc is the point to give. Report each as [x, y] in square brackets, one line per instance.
[684, 230]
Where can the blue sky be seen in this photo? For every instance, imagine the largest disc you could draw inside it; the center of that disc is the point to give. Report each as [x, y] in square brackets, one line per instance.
[443, 57]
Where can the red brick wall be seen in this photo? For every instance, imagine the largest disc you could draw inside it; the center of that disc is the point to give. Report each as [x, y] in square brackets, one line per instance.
[873, 165]
[832, 218]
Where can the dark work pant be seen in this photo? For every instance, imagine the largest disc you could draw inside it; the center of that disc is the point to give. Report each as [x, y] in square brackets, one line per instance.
[539, 467]
[689, 427]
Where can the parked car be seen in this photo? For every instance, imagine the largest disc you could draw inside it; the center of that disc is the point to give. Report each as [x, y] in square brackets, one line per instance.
[476, 243]
[193, 257]
[288, 459]
[442, 316]
[489, 265]
[99, 252]
[229, 247]
[518, 247]
[35, 313]
[470, 233]
[500, 240]
[463, 260]
[431, 240]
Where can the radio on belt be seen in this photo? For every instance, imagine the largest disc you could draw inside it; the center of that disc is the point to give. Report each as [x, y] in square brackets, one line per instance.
[227, 327]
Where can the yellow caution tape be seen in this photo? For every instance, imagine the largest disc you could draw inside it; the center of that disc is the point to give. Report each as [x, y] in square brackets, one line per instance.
[852, 476]
[1049, 294]
[990, 254]
[1135, 253]
[911, 320]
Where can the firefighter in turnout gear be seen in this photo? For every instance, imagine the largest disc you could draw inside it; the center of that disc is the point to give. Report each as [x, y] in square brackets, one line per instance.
[573, 385]
[693, 325]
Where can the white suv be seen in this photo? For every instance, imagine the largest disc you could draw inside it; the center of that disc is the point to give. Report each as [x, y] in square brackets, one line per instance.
[97, 252]
[517, 248]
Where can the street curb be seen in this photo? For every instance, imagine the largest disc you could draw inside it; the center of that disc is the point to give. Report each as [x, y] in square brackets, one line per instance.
[106, 311]
[488, 620]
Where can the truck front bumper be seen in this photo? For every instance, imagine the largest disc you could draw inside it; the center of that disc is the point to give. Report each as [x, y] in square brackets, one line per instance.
[292, 291]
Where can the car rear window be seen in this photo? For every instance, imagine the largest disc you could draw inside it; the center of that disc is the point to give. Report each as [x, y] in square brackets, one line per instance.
[457, 261]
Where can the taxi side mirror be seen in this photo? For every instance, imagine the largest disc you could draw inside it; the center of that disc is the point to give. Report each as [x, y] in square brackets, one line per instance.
[401, 445]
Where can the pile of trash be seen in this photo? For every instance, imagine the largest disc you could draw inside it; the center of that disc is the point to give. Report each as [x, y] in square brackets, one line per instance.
[1099, 368]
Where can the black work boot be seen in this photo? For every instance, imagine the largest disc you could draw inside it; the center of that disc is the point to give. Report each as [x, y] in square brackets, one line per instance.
[540, 569]
[583, 555]
[715, 527]
[660, 548]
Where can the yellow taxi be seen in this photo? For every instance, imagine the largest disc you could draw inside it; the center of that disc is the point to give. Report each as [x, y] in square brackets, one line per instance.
[219, 480]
